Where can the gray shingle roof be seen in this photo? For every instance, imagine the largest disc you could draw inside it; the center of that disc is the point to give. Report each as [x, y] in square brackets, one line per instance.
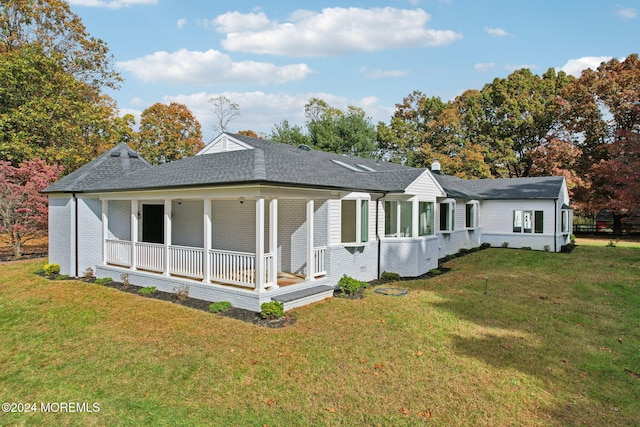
[268, 163]
[113, 164]
[543, 187]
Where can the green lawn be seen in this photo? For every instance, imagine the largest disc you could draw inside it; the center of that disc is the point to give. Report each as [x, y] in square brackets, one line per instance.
[554, 340]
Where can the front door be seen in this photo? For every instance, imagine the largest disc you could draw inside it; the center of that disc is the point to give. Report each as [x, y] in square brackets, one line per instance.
[153, 223]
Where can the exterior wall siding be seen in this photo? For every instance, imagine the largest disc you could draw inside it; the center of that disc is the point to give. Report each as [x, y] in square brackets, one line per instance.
[89, 234]
[233, 225]
[187, 224]
[409, 257]
[496, 219]
[61, 239]
[451, 243]
[292, 236]
[118, 213]
[358, 262]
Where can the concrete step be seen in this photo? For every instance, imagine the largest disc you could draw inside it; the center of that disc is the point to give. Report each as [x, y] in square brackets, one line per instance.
[305, 296]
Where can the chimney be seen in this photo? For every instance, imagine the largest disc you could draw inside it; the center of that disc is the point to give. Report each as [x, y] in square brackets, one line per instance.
[435, 167]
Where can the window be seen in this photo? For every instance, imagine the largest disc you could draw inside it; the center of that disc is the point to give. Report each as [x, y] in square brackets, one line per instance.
[425, 219]
[355, 221]
[398, 219]
[447, 215]
[528, 222]
[566, 221]
[471, 217]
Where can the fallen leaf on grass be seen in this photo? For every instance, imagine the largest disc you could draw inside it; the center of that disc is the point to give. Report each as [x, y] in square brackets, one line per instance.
[632, 374]
[379, 365]
[405, 411]
[363, 361]
[332, 409]
[383, 321]
[270, 402]
[426, 414]
[605, 349]
[419, 353]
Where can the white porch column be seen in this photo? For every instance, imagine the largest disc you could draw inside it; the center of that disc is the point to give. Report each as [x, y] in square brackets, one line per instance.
[105, 229]
[206, 260]
[167, 235]
[134, 233]
[260, 270]
[415, 217]
[311, 264]
[273, 241]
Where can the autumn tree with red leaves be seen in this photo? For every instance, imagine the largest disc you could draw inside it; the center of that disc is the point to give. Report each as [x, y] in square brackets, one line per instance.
[23, 209]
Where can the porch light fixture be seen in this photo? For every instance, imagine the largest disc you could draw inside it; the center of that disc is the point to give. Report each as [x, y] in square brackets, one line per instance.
[179, 201]
[139, 215]
[241, 200]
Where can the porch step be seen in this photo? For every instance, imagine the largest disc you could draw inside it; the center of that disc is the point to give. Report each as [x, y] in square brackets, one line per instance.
[305, 296]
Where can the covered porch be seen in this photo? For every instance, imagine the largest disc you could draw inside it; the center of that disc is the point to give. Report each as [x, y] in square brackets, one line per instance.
[252, 243]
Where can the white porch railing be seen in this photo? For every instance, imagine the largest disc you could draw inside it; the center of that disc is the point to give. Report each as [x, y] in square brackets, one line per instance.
[237, 268]
[318, 261]
[150, 256]
[186, 261]
[119, 252]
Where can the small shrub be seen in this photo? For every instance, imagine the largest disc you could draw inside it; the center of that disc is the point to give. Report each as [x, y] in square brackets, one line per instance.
[572, 238]
[88, 273]
[181, 292]
[526, 248]
[124, 277]
[435, 271]
[104, 280]
[147, 290]
[272, 310]
[485, 245]
[388, 276]
[62, 277]
[51, 269]
[505, 244]
[611, 244]
[219, 306]
[547, 248]
[350, 286]
[463, 251]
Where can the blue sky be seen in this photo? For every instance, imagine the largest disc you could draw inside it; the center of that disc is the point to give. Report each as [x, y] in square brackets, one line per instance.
[271, 57]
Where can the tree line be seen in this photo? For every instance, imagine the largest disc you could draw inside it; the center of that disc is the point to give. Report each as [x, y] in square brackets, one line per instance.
[55, 116]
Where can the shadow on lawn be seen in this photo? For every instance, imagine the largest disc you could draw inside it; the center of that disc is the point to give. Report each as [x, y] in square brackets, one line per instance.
[537, 336]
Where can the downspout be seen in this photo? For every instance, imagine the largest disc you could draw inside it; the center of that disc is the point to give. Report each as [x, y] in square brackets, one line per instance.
[75, 202]
[555, 225]
[378, 234]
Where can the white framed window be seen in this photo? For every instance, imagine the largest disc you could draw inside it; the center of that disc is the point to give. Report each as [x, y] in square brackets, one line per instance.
[398, 218]
[354, 217]
[426, 218]
[528, 221]
[471, 214]
[566, 220]
[447, 215]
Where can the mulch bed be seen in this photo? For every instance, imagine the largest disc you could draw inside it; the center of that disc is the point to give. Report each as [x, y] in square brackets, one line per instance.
[243, 315]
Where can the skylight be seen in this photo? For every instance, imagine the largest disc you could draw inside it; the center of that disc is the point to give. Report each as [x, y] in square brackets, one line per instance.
[346, 166]
[367, 168]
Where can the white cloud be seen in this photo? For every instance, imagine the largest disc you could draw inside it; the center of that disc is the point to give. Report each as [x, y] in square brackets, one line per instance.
[626, 13]
[181, 23]
[575, 67]
[333, 31]
[111, 4]
[498, 32]
[209, 68]
[484, 66]
[381, 74]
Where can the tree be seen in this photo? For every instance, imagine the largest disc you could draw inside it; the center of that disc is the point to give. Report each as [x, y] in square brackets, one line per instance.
[336, 131]
[51, 25]
[285, 133]
[23, 209]
[608, 117]
[225, 112]
[45, 112]
[167, 133]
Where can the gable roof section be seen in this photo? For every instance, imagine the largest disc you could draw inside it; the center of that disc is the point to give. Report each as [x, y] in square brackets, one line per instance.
[113, 164]
[267, 163]
[544, 187]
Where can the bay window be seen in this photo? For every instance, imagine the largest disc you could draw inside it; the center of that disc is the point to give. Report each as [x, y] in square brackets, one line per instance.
[354, 221]
[398, 219]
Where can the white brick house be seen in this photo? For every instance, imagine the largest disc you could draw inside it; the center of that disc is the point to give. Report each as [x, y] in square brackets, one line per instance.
[248, 220]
